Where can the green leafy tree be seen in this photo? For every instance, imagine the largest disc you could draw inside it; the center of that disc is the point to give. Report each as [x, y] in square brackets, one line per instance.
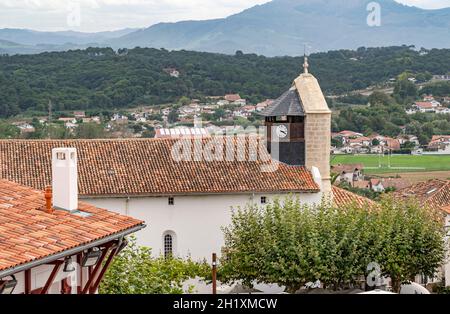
[173, 116]
[408, 240]
[405, 90]
[292, 244]
[136, 271]
[8, 131]
[90, 131]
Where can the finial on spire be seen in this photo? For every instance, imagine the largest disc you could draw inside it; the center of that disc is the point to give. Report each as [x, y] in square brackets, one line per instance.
[306, 64]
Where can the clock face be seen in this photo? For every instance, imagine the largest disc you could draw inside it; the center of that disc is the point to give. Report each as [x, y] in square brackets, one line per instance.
[282, 131]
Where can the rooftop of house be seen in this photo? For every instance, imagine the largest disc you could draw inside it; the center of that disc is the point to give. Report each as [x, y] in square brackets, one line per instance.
[28, 233]
[397, 183]
[424, 104]
[434, 193]
[342, 198]
[361, 184]
[347, 167]
[141, 167]
[232, 97]
[348, 133]
[181, 132]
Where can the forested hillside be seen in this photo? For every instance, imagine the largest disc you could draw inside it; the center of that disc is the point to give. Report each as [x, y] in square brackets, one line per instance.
[102, 78]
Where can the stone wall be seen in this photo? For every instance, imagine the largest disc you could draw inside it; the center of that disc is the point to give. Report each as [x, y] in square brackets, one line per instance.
[318, 145]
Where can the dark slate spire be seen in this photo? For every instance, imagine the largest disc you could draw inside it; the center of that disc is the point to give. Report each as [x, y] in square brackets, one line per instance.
[288, 104]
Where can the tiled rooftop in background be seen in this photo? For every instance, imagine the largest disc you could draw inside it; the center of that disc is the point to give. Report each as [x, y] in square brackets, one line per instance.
[146, 167]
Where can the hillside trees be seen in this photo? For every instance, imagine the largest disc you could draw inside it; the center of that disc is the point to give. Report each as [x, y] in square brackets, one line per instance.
[99, 78]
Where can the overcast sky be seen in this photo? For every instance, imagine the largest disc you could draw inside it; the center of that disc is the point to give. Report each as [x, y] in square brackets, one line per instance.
[101, 15]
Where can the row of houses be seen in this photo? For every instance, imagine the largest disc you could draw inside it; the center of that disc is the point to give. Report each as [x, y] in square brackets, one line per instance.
[357, 143]
[353, 174]
[430, 105]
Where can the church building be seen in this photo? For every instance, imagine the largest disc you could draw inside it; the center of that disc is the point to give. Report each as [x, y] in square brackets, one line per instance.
[184, 203]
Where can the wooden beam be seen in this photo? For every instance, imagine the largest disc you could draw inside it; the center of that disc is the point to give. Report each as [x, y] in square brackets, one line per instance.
[95, 271]
[80, 279]
[52, 277]
[104, 269]
[28, 281]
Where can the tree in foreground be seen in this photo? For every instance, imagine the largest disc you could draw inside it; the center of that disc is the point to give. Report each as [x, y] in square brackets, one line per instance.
[135, 271]
[408, 240]
[292, 244]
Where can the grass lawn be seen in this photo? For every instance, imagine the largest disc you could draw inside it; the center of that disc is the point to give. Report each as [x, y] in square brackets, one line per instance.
[398, 163]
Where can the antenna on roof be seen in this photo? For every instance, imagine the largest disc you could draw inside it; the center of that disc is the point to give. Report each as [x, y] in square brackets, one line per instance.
[305, 64]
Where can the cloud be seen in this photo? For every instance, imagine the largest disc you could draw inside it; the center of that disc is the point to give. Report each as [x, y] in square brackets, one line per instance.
[99, 15]
[427, 4]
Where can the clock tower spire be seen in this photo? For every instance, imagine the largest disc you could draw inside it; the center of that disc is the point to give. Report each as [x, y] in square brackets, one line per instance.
[299, 127]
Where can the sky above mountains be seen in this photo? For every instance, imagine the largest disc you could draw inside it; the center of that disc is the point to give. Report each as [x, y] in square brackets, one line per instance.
[104, 15]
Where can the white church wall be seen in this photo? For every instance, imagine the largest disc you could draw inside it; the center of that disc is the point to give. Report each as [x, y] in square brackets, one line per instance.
[196, 221]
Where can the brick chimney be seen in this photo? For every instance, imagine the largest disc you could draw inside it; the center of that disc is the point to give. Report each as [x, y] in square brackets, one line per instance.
[65, 179]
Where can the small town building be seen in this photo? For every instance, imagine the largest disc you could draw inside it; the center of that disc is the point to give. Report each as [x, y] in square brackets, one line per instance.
[52, 244]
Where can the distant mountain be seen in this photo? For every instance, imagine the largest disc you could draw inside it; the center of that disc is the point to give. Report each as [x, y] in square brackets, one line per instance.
[28, 41]
[279, 27]
[282, 27]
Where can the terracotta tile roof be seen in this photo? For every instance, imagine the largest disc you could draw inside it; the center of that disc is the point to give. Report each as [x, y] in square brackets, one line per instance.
[342, 198]
[362, 184]
[27, 233]
[446, 209]
[434, 193]
[146, 167]
[232, 97]
[348, 168]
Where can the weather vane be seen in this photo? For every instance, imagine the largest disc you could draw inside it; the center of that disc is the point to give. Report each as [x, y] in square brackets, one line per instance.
[305, 64]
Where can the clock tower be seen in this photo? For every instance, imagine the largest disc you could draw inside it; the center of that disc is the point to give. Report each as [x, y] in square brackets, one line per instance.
[299, 127]
[285, 122]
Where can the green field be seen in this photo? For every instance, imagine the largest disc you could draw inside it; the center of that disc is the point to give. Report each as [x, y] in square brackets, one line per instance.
[396, 163]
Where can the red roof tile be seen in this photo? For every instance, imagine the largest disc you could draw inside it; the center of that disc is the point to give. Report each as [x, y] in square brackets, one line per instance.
[28, 233]
[434, 193]
[343, 198]
[146, 167]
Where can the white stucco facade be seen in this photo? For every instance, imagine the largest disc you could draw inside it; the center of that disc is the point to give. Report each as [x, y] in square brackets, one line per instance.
[194, 220]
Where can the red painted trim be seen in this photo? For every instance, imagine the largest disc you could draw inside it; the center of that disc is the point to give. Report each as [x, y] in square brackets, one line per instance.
[80, 280]
[52, 277]
[28, 281]
[104, 269]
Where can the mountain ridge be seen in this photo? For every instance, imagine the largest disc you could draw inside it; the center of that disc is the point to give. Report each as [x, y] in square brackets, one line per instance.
[290, 24]
[276, 28]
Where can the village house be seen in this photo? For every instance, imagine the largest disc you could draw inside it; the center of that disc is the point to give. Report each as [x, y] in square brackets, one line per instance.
[439, 144]
[24, 127]
[348, 173]
[232, 97]
[52, 244]
[173, 72]
[79, 114]
[181, 132]
[119, 118]
[263, 105]
[382, 184]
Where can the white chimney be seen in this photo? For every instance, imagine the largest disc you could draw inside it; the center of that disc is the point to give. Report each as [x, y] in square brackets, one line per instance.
[65, 179]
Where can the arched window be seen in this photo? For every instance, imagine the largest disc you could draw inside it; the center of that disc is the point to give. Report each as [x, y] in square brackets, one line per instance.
[168, 244]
